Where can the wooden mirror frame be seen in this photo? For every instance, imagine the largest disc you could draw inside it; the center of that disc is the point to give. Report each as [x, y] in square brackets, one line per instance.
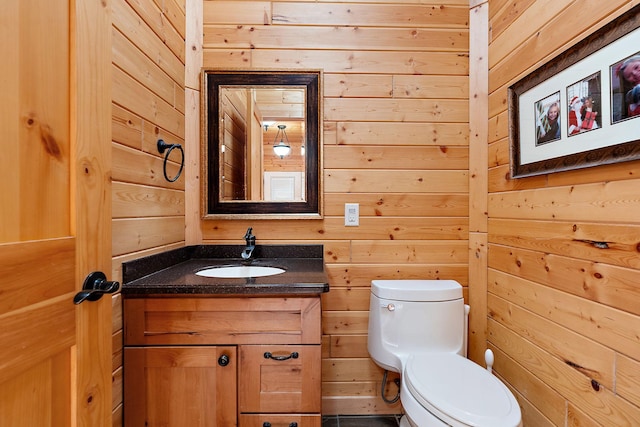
[212, 206]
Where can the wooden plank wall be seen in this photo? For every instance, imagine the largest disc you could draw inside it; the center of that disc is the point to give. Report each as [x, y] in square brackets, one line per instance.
[148, 101]
[564, 314]
[478, 179]
[395, 141]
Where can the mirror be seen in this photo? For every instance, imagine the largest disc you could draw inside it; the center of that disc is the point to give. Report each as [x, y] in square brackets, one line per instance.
[261, 144]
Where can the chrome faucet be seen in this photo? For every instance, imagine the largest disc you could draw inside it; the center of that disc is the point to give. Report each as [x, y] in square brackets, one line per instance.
[251, 244]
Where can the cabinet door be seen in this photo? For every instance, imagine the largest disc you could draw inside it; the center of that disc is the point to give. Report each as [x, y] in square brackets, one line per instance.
[280, 378]
[180, 386]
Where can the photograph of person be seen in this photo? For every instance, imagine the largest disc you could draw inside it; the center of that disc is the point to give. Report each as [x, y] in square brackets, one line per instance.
[583, 109]
[625, 88]
[547, 114]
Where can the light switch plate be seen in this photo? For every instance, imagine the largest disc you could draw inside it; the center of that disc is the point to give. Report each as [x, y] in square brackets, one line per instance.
[352, 214]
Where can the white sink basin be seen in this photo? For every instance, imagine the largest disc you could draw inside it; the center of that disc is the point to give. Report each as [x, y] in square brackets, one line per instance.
[240, 271]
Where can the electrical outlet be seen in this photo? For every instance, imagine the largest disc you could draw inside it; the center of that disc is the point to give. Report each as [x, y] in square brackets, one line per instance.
[351, 214]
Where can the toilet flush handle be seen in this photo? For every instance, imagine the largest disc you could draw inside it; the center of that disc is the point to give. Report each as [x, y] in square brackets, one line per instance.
[389, 306]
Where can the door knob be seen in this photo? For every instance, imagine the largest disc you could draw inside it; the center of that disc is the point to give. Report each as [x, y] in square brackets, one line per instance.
[94, 286]
[223, 360]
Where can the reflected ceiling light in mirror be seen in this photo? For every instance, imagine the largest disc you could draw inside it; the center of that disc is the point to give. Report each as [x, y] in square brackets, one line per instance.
[281, 148]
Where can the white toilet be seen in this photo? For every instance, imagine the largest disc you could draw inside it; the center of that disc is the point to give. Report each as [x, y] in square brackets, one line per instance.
[418, 328]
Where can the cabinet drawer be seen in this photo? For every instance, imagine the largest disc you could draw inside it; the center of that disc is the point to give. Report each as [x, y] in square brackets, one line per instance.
[286, 381]
[293, 420]
[185, 321]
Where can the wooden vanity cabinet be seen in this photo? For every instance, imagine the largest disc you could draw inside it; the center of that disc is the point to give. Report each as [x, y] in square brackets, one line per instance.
[171, 362]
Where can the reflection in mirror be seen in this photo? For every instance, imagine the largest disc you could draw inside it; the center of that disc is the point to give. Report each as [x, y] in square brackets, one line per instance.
[262, 144]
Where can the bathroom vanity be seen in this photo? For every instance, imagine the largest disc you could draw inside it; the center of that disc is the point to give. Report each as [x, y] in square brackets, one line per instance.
[206, 351]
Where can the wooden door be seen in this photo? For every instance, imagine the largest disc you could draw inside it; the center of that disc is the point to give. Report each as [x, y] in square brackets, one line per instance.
[55, 212]
[180, 386]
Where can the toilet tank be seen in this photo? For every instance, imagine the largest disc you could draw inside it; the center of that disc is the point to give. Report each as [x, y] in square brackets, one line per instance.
[414, 316]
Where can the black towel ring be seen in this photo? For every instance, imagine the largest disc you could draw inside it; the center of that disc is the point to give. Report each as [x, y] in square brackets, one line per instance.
[162, 146]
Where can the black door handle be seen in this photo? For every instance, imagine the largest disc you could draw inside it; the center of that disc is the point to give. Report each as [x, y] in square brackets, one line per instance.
[94, 286]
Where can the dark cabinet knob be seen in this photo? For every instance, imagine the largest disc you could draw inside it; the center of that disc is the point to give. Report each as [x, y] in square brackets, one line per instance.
[266, 424]
[223, 360]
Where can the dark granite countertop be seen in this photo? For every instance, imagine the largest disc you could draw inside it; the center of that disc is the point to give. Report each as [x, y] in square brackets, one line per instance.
[172, 273]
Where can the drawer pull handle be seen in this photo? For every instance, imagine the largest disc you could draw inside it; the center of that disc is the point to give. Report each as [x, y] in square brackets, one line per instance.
[268, 355]
[268, 424]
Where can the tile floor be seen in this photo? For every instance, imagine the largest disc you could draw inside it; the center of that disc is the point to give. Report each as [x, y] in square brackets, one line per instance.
[361, 421]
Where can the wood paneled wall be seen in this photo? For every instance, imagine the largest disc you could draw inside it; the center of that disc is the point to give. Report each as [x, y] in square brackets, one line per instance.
[564, 313]
[148, 104]
[395, 141]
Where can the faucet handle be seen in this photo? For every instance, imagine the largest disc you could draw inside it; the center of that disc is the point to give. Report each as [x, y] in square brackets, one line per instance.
[248, 234]
[250, 238]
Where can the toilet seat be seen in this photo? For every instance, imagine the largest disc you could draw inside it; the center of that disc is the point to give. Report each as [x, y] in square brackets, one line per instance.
[460, 392]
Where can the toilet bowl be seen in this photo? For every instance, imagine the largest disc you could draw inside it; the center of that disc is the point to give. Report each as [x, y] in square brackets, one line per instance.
[418, 328]
[455, 391]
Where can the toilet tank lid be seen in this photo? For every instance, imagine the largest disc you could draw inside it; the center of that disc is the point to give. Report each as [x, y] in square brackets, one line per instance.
[417, 290]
